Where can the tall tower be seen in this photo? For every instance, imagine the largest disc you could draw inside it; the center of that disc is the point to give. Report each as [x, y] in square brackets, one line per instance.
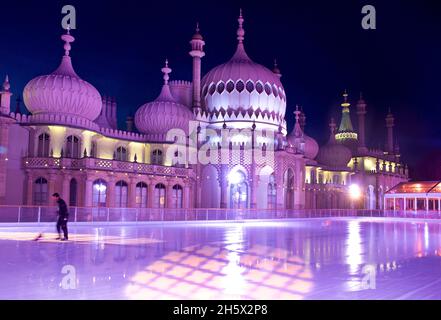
[346, 134]
[197, 53]
[361, 113]
[5, 97]
[390, 123]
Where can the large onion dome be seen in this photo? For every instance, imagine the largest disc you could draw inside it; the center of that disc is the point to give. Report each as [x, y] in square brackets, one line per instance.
[158, 117]
[242, 90]
[63, 92]
[333, 154]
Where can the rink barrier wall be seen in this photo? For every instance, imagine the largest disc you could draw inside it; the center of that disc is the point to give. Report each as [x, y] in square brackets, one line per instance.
[43, 214]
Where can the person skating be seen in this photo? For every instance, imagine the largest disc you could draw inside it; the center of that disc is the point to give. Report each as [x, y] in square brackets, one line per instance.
[63, 216]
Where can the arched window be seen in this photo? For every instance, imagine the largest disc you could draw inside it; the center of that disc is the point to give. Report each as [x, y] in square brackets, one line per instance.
[121, 154]
[73, 147]
[238, 190]
[141, 195]
[99, 193]
[272, 192]
[177, 197]
[43, 145]
[121, 194]
[73, 193]
[157, 157]
[40, 192]
[159, 196]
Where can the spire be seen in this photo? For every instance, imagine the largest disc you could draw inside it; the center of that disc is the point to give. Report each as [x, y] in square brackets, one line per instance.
[6, 84]
[197, 53]
[240, 30]
[166, 71]
[66, 68]
[68, 39]
[346, 123]
[297, 132]
[165, 94]
[240, 54]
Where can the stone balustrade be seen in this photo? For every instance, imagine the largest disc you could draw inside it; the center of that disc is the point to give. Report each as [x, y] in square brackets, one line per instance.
[106, 165]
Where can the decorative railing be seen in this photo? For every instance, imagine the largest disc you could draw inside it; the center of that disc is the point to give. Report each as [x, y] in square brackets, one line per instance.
[33, 214]
[106, 165]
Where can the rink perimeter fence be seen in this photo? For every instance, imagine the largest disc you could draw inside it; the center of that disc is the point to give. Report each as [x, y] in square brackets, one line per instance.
[40, 214]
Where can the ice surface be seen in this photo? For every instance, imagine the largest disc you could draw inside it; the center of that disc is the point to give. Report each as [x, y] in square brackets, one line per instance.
[303, 259]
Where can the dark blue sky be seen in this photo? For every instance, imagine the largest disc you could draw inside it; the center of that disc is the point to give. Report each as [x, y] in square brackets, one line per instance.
[320, 46]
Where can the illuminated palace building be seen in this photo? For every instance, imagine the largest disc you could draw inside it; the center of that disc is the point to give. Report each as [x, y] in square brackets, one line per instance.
[69, 143]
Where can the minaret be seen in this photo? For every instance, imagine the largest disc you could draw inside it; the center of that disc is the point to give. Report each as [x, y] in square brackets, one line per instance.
[5, 97]
[361, 113]
[390, 132]
[197, 53]
[345, 134]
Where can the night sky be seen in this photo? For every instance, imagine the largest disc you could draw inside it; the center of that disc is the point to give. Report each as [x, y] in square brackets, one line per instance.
[320, 46]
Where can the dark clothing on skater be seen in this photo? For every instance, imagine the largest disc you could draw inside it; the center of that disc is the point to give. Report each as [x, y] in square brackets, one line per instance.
[63, 215]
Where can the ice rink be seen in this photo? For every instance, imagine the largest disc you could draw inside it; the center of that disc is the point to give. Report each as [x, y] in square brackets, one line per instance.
[340, 258]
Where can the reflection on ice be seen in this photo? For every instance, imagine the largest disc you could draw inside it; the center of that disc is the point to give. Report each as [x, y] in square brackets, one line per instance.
[302, 259]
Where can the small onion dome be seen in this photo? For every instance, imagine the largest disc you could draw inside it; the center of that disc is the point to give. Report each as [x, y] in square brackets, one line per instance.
[197, 35]
[63, 91]
[333, 154]
[164, 113]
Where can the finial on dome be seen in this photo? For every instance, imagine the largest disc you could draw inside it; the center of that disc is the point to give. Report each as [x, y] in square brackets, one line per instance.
[345, 103]
[297, 113]
[6, 84]
[166, 71]
[197, 35]
[276, 69]
[68, 39]
[240, 31]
